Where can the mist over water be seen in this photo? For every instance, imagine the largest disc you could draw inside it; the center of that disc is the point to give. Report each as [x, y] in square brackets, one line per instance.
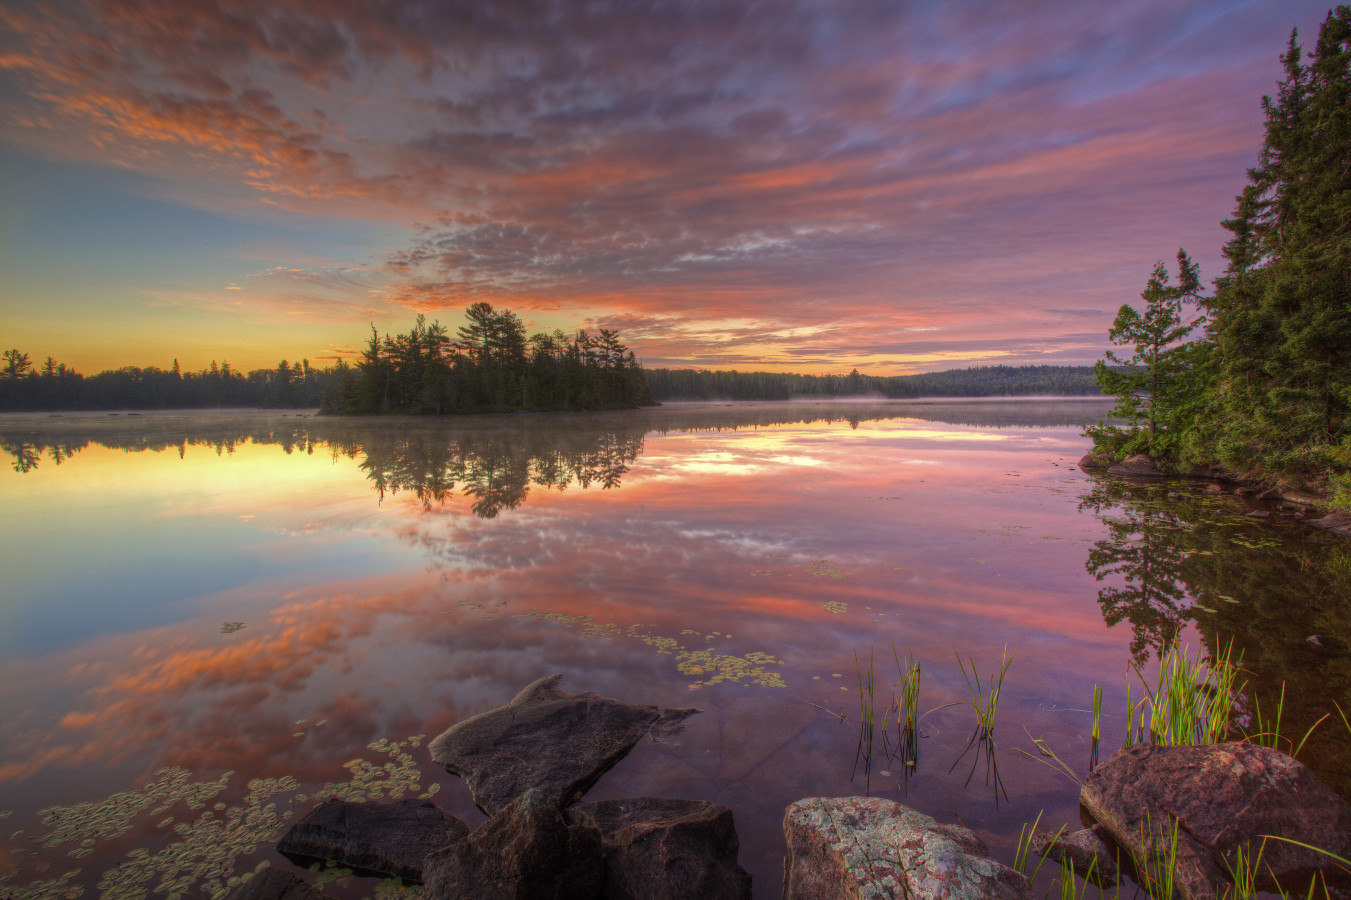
[267, 595]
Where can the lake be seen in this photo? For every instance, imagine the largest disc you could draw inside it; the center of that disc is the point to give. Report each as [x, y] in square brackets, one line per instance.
[211, 619]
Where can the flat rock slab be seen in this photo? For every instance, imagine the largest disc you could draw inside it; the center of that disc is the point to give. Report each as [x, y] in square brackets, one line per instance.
[663, 849]
[868, 848]
[1137, 465]
[1223, 796]
[548, 739]
[525, 852]
[389, 839]
[275, 884]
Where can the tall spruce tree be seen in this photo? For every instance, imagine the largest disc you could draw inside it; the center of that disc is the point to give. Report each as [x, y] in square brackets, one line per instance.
[1280, 320]
[1154, 384]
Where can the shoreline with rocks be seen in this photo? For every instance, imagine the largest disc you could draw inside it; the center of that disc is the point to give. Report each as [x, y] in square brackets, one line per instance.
[529, 764]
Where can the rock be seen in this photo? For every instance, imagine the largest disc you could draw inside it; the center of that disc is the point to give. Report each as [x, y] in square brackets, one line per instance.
[1337, 523]
[862, 847]
[1214, 489]
[1244, 491]
[1089, 849]
[1127, 495]
[661, 849]
[1137, 465]
[1269, 494]
[549, 739]
[1223, 796]
[1095, 459]
[1174, 496]
[275, 884]
[388, 839]
[525, 852]
[1257, 514]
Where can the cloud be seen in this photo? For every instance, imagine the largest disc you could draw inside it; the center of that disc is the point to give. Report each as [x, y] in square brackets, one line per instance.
[856, 164]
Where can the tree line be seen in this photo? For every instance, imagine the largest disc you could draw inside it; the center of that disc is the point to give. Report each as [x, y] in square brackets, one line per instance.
[490, 366]
[979, 381]
[56, 386]
[1255, 377]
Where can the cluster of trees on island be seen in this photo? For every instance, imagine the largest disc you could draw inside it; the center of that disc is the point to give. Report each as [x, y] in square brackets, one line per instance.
[977, 381]
[1256, 376]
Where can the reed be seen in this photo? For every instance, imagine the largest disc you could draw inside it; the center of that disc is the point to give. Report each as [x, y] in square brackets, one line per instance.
[985, 703]
[1097, 711]
[1193, 701]
[907, 707]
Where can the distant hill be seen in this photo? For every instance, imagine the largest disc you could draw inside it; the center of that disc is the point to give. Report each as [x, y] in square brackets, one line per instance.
[979, 381]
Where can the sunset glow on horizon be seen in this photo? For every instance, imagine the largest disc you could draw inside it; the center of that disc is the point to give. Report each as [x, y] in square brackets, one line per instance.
[804, 186]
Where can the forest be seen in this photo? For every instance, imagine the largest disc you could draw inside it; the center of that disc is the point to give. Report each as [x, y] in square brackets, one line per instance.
[979, 381]
[1254, 378]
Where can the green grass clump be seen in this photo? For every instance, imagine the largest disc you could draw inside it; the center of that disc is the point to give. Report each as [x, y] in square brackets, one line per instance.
[985, 703]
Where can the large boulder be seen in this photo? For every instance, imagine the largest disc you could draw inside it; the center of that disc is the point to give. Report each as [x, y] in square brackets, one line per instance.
[549, 739]
[663, 849]
[1223, 797]
[389, 839]
[868, 848]
[525, 852]
[1137, 465]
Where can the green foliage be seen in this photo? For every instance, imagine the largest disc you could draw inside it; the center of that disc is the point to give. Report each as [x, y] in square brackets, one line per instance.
[1153, 386]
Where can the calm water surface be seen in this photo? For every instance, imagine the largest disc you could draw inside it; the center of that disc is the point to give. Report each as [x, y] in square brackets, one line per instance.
[208, 620]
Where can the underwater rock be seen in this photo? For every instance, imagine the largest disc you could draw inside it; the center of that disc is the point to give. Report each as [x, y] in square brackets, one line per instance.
[1337, 523]
[1222, 796]
[1086, 850]
[1174, 496]
[663, 849]
[1137, 465]
[868, 847]
[1257, 514]
[547, 739]
[275, 884]
[1214, 489]
[389, 839]
[525, 852]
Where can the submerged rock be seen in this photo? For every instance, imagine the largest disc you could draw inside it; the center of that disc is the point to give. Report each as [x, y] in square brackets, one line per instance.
[1223, 796]
[1337, 523]
[868, 847]
[525, 852]
[1088, 851]
[1137, 465]
[389, 839]
[548, 739]
[662, 849]
[275, 884]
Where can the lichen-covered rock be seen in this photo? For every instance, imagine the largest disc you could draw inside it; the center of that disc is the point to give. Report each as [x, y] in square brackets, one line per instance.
[525, 852]
[546, 738]
[1090, 851]
[389, 839]
[868, 848]
[1137, 465]
[663, 849]
[1223, 797]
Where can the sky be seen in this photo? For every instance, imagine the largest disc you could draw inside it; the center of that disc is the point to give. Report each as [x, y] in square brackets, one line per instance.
[795, 185]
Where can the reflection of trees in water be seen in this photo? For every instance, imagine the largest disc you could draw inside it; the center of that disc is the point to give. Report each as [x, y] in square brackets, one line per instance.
[1265, 586]
[496, 470]
[1144, 559]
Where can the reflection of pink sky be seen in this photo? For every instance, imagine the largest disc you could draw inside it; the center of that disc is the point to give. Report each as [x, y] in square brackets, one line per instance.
[938, 534]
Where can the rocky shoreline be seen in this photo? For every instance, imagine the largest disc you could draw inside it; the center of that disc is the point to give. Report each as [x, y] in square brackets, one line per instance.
[1292, 503]
[529, 764]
